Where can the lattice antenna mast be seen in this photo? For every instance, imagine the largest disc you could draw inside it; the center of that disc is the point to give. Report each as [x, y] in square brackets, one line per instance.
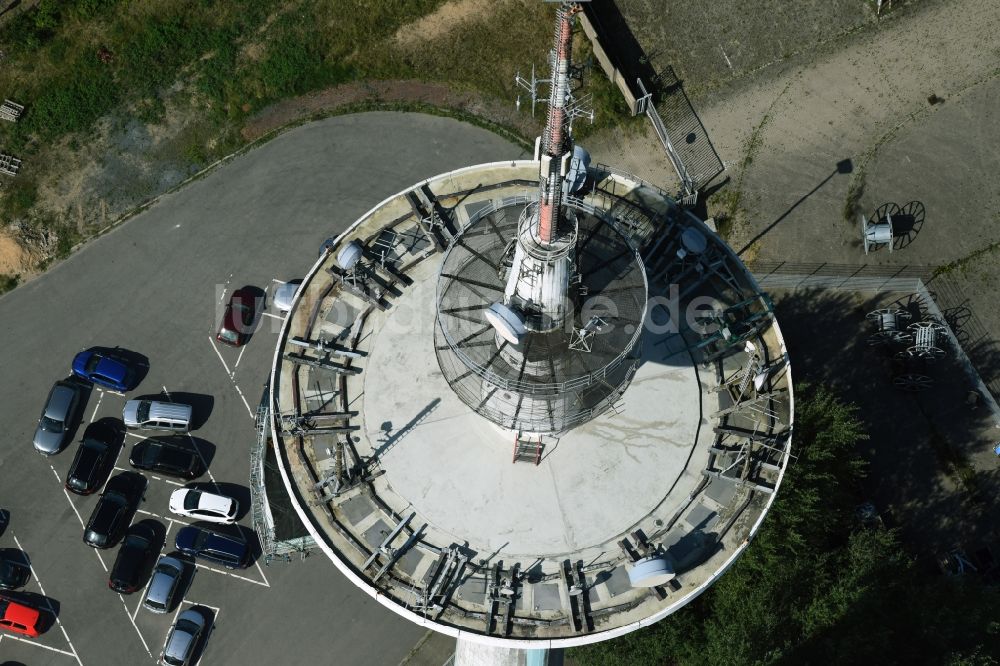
[537, 288]
[556, 144]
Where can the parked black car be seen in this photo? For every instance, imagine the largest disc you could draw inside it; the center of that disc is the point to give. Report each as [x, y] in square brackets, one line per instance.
[225, 550]
[172, 456]
[114, 510]
[14, 572]
[134, 557]
[89, 467]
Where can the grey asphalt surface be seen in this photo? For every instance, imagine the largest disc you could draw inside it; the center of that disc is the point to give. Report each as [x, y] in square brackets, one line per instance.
[154, 286]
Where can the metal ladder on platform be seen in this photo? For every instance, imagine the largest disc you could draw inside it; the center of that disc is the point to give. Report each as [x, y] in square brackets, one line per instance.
[527, 449]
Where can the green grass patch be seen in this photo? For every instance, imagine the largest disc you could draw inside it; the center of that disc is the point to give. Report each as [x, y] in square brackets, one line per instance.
[8, 282]
[19, 195]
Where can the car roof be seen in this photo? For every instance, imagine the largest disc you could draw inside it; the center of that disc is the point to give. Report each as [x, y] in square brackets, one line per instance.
[111, 368]
[18, 612]
[108, 506]
[179, 642]
[160, 586]
[187, 536]
[88, 457]
[285, 292]
[169, 410]
[206, 500]
[59, 401]
[169, 454]
[122, 483]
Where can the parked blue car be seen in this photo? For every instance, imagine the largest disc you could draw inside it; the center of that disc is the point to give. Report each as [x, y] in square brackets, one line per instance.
[104, 369]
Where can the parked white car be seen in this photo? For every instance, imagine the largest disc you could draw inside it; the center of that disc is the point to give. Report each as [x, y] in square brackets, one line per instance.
[200, 505]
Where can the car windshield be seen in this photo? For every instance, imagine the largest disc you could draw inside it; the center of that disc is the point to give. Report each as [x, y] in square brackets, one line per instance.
[227, 335]
[51, 425]
[200, 539]
[142, 413]
[135, 541]
[191, 500]
[92, 362]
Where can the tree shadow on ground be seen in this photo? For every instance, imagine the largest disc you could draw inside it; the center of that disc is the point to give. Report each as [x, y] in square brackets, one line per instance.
[922, 447]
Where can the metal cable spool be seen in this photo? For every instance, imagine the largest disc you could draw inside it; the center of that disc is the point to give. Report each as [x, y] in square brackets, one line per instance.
[888, 322]
[925, 334]
[912, 382]
[876, 233]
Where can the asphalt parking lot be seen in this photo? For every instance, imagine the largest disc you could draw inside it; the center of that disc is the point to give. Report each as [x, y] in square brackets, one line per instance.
[156, 287]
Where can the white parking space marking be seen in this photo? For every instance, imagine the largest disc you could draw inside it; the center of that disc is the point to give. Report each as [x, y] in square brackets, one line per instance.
[247, 404]
[238, 358]
[231, 373]
[38, 581]
[173, 483]
[211, 341]
[72, 506]
[80, 518]
[132, 434]
[273, 316]
[141, 597]
[100, 396]
[225, 287]
[47, 647]
[257, 564]
[132, 620]
[227, 573]
[156, 515]
[101, 559]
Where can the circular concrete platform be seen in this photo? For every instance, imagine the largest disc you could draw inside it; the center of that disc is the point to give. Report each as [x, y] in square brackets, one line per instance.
[593, 484]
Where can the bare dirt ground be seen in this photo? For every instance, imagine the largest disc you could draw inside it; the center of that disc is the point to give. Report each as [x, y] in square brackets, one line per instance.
[13, 258]
[449, 17]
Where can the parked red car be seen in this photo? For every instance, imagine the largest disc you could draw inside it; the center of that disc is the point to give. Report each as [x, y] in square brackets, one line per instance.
[19, 618]
[240, 317]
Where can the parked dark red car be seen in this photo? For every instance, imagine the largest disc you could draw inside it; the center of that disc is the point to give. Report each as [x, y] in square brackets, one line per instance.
[240, 317]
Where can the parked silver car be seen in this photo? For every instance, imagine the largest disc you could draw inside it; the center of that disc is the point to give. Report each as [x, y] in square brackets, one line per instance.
[285, 294]
[182, 638]
[155, 415]
[163, 585]
[53, 424]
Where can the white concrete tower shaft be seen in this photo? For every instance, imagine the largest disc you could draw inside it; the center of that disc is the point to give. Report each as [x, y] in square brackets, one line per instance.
[538, 283]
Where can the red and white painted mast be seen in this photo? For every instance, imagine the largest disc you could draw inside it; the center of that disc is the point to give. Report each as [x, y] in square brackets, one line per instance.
[538, 283]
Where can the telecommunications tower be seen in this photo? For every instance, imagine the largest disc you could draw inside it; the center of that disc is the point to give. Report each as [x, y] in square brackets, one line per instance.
[583, 434]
